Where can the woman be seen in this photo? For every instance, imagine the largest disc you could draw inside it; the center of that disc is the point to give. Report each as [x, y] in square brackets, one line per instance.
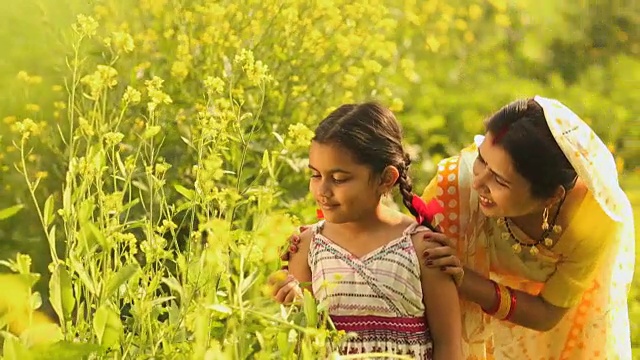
[538, 236]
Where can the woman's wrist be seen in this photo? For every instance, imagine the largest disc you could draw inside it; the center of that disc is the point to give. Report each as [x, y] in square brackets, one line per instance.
[505, 304]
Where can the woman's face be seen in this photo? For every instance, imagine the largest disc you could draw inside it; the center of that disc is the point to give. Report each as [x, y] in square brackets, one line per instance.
[502, 190]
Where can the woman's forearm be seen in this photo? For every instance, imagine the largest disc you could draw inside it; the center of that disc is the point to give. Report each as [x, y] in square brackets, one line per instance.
[531, 311]
[478, 289]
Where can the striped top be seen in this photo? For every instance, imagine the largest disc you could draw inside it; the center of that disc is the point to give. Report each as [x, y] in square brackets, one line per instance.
[378, 296]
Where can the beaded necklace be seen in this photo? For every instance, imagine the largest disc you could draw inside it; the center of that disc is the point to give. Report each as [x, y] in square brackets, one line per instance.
[504, 223]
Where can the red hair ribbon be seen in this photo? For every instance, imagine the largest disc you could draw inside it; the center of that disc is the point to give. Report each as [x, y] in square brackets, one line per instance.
[425, 211]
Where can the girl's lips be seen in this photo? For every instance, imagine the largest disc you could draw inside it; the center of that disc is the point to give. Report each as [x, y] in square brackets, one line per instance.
[328, 206]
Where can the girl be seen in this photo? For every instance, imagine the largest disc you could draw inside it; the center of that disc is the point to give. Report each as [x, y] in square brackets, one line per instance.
[382, 293]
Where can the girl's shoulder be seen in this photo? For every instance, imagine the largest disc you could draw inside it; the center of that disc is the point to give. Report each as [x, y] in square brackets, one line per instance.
[418, 239]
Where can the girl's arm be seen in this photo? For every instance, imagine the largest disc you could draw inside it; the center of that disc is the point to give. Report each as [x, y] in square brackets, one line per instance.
[299, 272]
[440, 297]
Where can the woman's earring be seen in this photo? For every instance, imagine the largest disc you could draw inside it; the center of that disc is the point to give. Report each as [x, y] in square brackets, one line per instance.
[545, 219]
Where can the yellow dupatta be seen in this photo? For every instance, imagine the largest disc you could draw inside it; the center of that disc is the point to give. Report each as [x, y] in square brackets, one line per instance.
[596, 328]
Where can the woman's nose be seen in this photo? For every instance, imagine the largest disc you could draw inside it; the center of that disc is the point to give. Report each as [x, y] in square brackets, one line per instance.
[479, 180]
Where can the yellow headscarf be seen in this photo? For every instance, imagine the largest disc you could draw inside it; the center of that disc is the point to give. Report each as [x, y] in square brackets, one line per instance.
[588, 155]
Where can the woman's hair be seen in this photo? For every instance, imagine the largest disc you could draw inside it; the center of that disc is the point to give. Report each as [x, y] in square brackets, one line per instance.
[521, 129]
[371, 133]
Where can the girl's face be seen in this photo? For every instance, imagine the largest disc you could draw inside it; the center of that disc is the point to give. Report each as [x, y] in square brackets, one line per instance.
[345, 190]
[502, 190]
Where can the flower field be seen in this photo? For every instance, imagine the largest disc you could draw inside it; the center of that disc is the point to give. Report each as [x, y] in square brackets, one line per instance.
[153, 152]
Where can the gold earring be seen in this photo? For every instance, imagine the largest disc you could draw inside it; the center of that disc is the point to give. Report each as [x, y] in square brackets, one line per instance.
[545, 219]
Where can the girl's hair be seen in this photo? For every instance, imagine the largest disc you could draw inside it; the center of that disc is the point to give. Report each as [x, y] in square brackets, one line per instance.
[521, 129]
[371, 133]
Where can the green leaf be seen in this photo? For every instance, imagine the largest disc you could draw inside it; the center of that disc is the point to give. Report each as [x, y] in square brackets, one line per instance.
[48, 211]
[310, 310]
[64, 350]
[61, 293]
[278, 137]
[221, 309]
[247, 282]
[121, 166]
[41, 333]
[13, 349]
[122, 276]
[151, 131]
[51, 239]
[130, 204]
[283, 343]
[10, 211]
[83, 275]
[174, 285]
[107, 326]
[187, 193]
[36, 300]
[93, 234]
[66, 199]
[266, 164]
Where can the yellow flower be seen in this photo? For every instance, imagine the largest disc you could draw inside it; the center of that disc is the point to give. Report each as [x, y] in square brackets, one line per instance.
[396, 105]
[34, 80]
[257, 72]
[105, 77]
[461, 24]
[179, 70]
[101, 11]
[475, 12]
[32, 107]
[214, 85]
[372, 66]
[23, 76]
[113, 138]
[27, 127]
[123, 42]
[131, 96]
[619, 163]
[85, 26]
[85, 127]
[349, 81]
[155, 93]
[503, 20]
[469, 37]
[500, 5]
[432, 43]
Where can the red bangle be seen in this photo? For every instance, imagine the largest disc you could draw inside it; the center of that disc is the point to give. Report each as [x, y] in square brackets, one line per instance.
[514, 301]
[499, 296]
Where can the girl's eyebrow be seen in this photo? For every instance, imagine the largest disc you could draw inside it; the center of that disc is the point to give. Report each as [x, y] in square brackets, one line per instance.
[332, 171]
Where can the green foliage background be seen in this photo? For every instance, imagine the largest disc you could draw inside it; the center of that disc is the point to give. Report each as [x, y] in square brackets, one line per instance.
[254, 75]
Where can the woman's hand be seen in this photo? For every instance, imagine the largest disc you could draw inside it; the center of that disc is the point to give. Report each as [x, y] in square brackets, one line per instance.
[285, 287]
[441, 253]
